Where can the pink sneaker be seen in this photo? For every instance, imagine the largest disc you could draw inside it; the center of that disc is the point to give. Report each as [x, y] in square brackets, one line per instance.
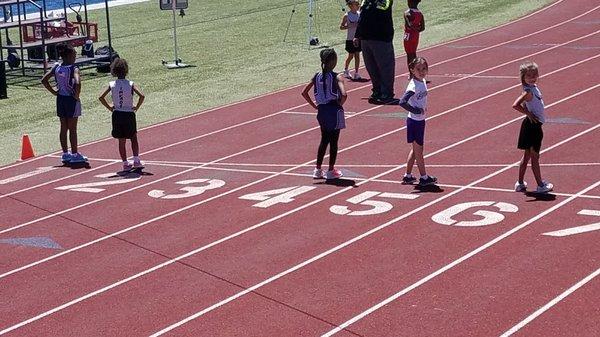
[333, 174]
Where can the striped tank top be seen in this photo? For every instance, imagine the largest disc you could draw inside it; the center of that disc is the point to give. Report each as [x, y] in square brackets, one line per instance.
[65, 79]
[326, 88]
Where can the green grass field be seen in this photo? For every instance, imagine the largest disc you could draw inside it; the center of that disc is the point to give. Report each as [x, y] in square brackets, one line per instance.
[238, 50]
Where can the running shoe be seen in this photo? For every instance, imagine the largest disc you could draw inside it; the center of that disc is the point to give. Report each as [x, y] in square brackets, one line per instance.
[78, 158]
[408, 180]
[520, 187]
[318, 173]
[429, 181]
[545, 188]
[333, 174]
[138, 164]
[356, 77]
[66, 157]
[347, 74]
[127, 166]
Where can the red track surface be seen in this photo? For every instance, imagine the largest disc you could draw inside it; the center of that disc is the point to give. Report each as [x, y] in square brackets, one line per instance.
[211, 264]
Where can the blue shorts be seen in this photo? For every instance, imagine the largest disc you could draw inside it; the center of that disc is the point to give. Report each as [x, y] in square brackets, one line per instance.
[67, 107]
[415, 131]
[331, 116]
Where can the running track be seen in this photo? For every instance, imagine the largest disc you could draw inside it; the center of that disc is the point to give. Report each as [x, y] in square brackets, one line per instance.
[194, 247]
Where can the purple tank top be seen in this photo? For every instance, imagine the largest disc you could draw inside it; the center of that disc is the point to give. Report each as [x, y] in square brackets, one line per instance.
[65, 79]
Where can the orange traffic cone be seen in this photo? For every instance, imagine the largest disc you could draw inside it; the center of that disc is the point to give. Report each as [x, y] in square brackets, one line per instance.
[26, 148]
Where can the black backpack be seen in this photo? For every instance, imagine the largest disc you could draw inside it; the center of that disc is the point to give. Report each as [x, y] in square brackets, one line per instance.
[104, 51]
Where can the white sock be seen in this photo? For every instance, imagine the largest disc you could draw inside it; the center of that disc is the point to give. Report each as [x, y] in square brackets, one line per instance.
[408, 175]
[136, 158]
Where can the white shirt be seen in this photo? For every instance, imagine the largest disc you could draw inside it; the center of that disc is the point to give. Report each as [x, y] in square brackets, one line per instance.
[419, 99]
[122, 95]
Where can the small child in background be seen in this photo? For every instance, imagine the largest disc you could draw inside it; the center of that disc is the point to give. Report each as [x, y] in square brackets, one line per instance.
[123, 111]
[530, 104]
[68, 105]
[414, 24]
[415, 102]
[349, 23]
[330, 95]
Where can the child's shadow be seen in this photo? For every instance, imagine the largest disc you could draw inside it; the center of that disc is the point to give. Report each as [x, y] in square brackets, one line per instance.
[360, 80]
[428, 189]
[131, 174]
[338, 182]
[76, 166]
[540, 196]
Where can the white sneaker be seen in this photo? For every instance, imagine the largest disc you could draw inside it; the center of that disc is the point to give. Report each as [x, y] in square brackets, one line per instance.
[547, 187]
[520, 187]
[357, 77]
[318, 173]
[333, 174]
[138, 164]
[347, 74]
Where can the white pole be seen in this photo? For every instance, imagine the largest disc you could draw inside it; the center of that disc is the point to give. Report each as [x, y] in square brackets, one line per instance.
[173, 6]
[310, 20]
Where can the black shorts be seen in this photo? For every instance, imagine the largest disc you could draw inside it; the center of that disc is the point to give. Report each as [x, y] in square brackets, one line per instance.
[350, 47]
[124, 124]
[530, 136]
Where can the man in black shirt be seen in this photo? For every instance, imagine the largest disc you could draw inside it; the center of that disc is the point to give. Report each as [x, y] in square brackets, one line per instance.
[375, 33]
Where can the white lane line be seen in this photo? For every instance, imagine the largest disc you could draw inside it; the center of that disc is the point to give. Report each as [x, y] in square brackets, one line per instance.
[29, 174]
[353, 240]
[299, 85]
[552, 303]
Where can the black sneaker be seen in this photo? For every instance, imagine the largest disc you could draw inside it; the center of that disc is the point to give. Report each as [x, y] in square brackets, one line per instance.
[374, 98]
[387, 100]
[408, 180]
[429, 181]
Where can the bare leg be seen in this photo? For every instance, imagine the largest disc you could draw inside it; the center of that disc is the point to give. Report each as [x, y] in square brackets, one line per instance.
[122, 150]
[72, 126]
[418, 153]
[356, 61]
[523, 165]
[535, 167]
[62, 136]
[135, 147]
[410, 162]
[348, 59]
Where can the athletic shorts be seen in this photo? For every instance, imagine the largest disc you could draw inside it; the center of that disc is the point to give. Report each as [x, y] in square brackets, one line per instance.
[411, 42]
[331, 116]
[530, 136]
[350, 48]
[415, 131]
[67, 107]
[124, 124]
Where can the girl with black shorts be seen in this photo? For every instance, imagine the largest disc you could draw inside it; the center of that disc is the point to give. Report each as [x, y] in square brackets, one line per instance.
[123, 111]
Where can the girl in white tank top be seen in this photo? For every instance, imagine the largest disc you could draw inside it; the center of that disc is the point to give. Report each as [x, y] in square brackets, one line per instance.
[123, 112]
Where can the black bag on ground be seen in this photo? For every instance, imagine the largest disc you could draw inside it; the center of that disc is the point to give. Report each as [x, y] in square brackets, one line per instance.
[105, 51]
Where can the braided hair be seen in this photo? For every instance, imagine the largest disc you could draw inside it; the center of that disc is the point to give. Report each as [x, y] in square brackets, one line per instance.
[328, 61]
